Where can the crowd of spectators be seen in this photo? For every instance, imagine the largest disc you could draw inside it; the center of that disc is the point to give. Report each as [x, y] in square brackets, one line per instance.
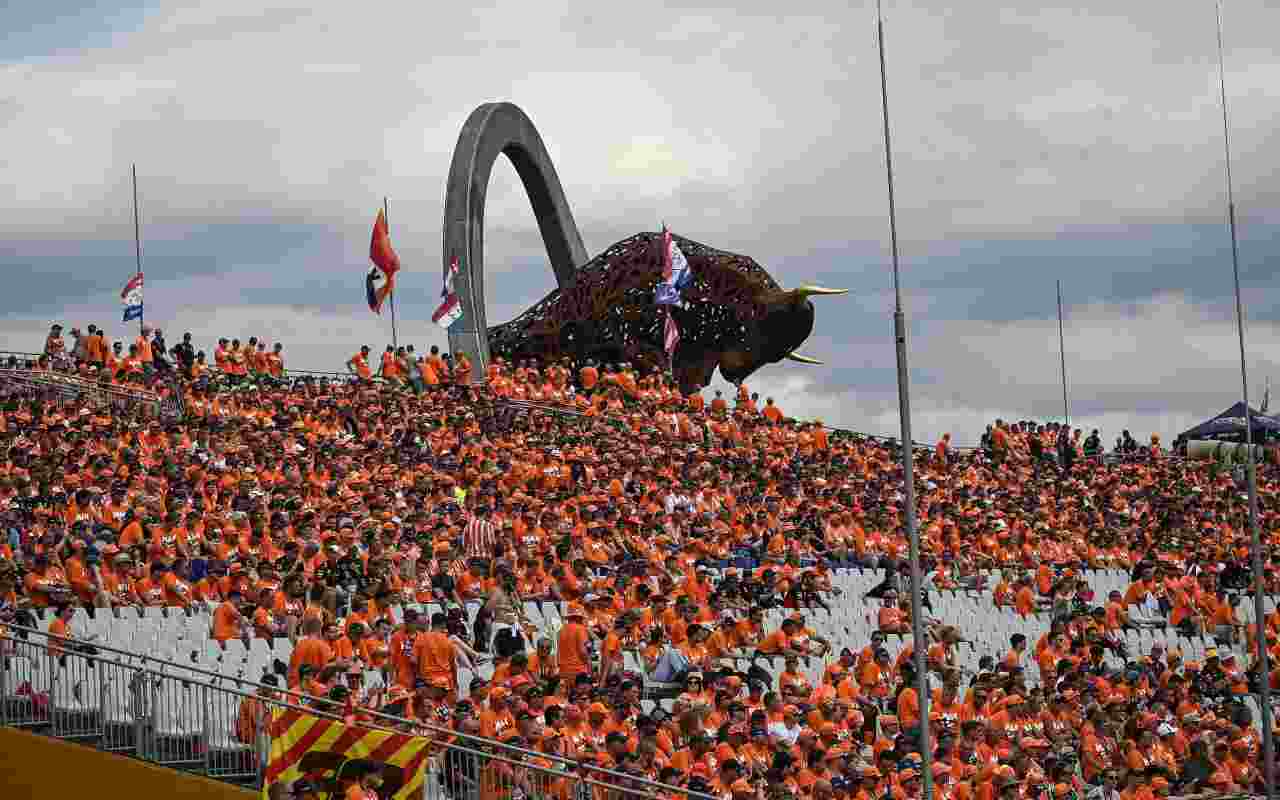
[662, 525]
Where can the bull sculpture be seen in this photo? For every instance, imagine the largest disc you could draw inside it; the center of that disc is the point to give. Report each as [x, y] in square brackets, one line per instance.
[733, 316]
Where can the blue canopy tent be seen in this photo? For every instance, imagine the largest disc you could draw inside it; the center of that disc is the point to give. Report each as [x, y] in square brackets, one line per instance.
[1229, 426]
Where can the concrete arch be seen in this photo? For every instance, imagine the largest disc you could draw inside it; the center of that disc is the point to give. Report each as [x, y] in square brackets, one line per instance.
[493, 129]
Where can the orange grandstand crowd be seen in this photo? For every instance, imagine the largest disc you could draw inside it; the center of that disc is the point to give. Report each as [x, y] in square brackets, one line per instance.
[690, 546]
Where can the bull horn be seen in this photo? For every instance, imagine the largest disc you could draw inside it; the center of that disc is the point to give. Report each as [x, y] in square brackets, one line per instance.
[809, 289]
[795, 355]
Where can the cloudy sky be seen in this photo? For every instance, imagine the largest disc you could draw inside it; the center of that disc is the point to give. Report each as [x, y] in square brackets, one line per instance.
[1080, 143]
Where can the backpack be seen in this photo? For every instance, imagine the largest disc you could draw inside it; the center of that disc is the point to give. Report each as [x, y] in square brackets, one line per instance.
[507, 643]
[759, 674]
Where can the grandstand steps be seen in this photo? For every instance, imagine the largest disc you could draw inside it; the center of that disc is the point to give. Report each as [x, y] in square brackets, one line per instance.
[39, 766]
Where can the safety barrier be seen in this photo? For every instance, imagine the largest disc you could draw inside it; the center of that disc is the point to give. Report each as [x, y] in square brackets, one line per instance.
[180, 716]
[68, 389]
[71, 691]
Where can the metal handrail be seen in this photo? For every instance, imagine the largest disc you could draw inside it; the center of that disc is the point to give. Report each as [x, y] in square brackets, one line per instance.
[274, 703]
[143, 657]
[377, 715]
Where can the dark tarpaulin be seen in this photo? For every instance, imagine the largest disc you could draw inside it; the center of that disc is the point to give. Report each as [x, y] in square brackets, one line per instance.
[1229, 425]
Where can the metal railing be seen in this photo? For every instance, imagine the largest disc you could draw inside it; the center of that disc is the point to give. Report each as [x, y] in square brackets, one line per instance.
[76, 693]
[183, 717]
[68, 389]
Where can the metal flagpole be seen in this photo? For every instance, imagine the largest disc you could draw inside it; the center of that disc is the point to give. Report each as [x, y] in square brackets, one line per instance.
[1062, 351]
[904, 412]
[1259, 599]
[137, 241]
[386, 216]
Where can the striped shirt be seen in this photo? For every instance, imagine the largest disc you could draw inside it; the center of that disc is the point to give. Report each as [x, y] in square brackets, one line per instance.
[479, 537]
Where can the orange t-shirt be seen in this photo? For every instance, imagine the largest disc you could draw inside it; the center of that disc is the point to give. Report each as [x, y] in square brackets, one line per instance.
[573, 640]
[908, 708]
[390, 366]
[890, 619]
[313, 651]
[226, 622]
[774, 643]
[433, 653]
[362, 366]
[1024, 601]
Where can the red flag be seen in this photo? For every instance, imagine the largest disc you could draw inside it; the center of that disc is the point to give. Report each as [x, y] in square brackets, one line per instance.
[385, 261]
[380, 252]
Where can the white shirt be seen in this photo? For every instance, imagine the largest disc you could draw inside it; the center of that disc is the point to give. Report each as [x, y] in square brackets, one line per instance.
[675, 501]
[782, 733]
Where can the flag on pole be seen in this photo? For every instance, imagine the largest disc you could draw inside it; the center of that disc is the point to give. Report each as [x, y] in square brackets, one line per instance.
[675, 272]
[450, 310]
[131, 297]
[324, 751]
[671, 335]
[385, 265]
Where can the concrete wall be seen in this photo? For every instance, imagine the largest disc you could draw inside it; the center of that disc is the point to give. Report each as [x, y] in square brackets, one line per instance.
[492, 130]
[33, 766]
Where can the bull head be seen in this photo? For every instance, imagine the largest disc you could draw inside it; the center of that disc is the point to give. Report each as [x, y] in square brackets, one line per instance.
[785, 322]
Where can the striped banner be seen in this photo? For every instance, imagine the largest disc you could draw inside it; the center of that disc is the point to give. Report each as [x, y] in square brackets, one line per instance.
[322, 750]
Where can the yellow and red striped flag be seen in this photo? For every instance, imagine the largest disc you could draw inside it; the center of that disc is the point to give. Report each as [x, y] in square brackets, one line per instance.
[325, 751]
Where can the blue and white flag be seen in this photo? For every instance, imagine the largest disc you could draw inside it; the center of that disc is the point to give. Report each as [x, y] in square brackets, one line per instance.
[675, 272]
[131, 297]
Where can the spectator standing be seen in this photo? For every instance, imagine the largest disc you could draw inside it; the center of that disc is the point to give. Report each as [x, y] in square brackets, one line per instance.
[185, 353]
[480, 535]
[159, 352]
[54, 346]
